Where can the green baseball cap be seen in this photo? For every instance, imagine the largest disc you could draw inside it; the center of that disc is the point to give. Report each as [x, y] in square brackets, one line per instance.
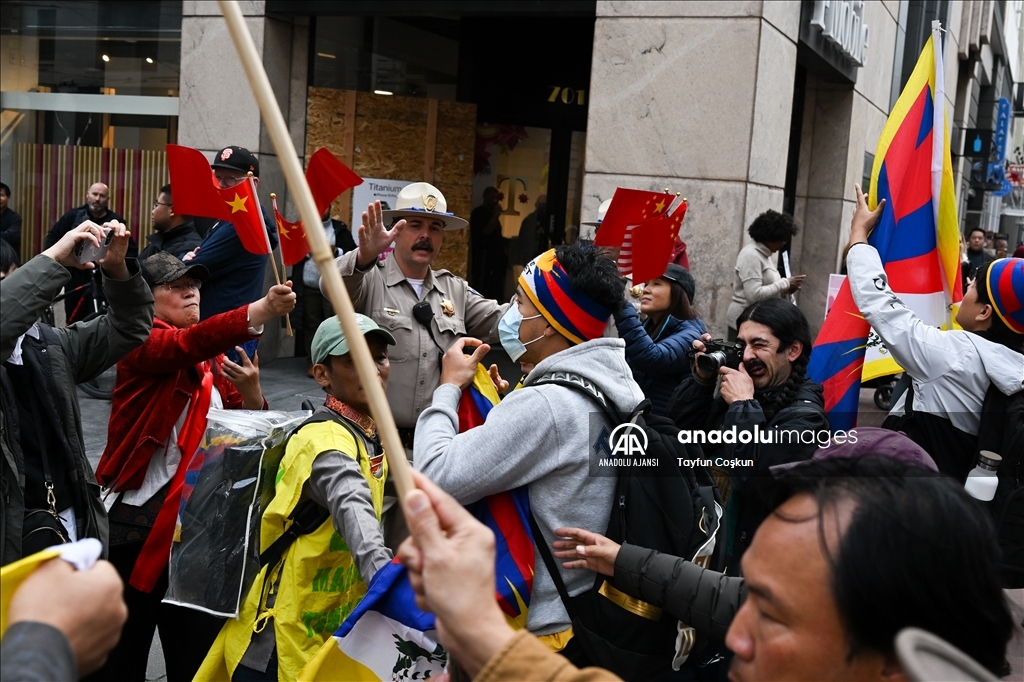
[330, 340]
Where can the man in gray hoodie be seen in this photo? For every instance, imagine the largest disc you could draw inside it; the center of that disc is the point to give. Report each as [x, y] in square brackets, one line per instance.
[539, 436]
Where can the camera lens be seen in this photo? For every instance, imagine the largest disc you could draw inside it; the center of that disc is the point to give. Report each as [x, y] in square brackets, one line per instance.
[709, 363]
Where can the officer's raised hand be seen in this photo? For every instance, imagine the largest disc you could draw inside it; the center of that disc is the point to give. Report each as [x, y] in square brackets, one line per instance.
[374, 238]
[457, 368]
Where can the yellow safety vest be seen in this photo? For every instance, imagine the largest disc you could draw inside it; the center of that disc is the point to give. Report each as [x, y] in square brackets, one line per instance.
[319, 582]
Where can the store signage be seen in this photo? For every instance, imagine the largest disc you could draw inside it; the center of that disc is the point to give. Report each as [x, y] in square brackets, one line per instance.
[567, 95]
[384, 190]
[842, 24]
[978, 143]
[1002, 128]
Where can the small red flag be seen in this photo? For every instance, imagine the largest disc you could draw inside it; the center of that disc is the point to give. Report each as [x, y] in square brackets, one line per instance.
[294, 246]
[197, 193]
[653, 241]
[327, 177]
[629, 207]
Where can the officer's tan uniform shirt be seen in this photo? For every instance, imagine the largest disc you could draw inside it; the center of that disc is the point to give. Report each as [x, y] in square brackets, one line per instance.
[383, 294]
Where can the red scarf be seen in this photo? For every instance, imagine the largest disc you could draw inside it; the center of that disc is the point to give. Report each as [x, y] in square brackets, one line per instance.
[157, 549]
[361, 420]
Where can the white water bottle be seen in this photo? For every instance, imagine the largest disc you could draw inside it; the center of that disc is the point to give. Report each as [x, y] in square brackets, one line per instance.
[982, 481]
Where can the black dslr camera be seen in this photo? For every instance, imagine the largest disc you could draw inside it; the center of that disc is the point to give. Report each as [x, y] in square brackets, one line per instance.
[717, 354]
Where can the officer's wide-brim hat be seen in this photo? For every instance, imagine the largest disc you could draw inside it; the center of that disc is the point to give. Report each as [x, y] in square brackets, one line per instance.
[601, 211]
[162, 267]
[330, 339]
[419, 200]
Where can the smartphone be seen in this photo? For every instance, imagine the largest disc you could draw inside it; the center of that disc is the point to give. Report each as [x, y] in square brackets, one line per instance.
[250, 349]
[87, 252]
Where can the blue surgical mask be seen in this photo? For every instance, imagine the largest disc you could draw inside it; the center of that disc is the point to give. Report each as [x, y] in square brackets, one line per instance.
[508, 332]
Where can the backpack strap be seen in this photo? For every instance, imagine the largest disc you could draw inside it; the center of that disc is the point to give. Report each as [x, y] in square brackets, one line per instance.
[308, 515]
[549, 563]
[580, 385]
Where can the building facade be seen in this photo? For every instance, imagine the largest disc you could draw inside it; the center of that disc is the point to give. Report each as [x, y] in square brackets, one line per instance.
[739, 106]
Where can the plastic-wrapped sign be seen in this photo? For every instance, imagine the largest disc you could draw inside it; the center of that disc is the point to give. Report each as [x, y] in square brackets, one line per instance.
[230, 480]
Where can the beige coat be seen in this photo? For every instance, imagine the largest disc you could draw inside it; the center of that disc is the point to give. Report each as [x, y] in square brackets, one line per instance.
[524, 657]
[756, 278]
[382, 293]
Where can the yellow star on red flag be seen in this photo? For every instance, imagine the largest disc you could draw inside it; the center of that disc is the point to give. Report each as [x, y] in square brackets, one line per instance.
[238, 204]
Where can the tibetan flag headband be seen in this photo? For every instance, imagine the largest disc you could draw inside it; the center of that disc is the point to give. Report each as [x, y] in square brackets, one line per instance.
[1006, 291]
[572, 313]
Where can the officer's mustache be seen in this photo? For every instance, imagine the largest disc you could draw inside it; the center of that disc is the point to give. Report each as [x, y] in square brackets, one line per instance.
[423, 245]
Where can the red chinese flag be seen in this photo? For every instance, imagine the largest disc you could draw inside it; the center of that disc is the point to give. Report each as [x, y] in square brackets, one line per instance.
[652, 244]
[197, 193]
[294, 246]
[242, 209]
[328, 177]
[629, 207]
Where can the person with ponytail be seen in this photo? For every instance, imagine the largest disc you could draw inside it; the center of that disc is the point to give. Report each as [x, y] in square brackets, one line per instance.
[764, 413]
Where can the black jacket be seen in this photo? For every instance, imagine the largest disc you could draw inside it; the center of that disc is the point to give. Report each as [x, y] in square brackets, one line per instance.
[694, 407]
[71, 355]
[705, 600]
[176, 241]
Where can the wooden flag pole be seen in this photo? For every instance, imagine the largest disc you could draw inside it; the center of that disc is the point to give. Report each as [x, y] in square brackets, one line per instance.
[318, 247]
[270, 252]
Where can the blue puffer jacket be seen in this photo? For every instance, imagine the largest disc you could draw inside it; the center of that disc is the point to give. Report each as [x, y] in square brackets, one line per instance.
[658, 357]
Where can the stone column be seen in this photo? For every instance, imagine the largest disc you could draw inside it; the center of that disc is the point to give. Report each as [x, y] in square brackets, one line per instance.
[217, 107]
[695, 97]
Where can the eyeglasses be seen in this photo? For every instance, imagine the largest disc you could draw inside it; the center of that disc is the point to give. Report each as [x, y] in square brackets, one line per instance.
[229, 179]
[160, 203]
[185, 286]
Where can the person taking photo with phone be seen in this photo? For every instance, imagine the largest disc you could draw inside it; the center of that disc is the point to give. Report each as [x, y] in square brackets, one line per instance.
[50, 495]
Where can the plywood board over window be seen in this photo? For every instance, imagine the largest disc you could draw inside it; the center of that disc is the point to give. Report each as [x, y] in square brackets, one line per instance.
[400, 138]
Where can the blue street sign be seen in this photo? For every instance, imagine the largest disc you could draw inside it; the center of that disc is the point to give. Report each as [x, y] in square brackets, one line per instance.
[1002, 128]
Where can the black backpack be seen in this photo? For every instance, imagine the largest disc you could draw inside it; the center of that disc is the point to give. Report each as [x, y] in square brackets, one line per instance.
[671, 508]
[1002, 431]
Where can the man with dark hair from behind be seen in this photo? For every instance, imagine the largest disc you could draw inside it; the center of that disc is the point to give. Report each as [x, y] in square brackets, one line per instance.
[770, 391]
[857, 550]
[8, 259]
[175, 233]
[539, 435]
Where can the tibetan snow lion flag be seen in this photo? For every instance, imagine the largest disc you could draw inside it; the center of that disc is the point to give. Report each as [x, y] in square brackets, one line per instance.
[916, 237]
[386, 637]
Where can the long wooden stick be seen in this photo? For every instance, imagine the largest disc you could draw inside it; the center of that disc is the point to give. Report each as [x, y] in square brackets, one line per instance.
[320, 251]
[270, 252]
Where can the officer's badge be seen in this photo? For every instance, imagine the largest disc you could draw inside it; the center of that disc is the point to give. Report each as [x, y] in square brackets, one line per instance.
[391, 311]
[447, 307]
[429, 201]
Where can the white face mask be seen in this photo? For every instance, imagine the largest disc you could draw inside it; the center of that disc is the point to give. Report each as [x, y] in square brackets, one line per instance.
[508, 332]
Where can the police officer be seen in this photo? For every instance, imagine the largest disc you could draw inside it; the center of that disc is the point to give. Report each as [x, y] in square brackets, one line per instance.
[388, 291]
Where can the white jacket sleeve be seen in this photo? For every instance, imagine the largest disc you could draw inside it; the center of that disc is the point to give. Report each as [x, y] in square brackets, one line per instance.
[925, 352]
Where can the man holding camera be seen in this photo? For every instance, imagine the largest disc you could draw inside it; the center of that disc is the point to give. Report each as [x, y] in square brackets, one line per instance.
[765, 411]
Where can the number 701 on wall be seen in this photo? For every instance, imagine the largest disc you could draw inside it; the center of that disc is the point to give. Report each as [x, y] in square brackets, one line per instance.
[566, 95]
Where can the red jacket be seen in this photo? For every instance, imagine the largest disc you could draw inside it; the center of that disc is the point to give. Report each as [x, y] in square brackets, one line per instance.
[155, 382]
